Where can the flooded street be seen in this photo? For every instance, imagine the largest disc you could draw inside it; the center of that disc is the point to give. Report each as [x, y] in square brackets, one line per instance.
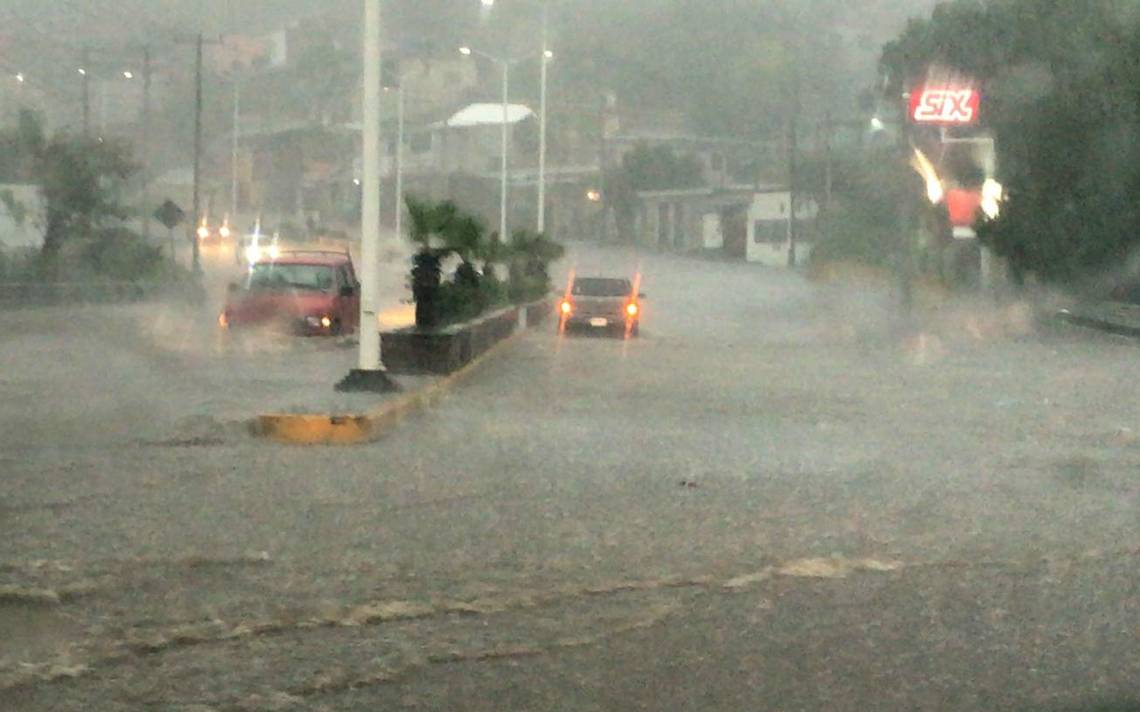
[773, 498]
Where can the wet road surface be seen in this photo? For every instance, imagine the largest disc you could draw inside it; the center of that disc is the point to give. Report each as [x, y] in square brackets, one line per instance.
[773, 499]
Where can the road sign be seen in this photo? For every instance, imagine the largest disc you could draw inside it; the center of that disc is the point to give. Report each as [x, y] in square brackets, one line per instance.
[945, 105]
[169, 214]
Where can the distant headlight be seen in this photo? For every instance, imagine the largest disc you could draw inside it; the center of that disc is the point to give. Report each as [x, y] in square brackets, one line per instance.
[224, 231]
[274, 253]
[318, 322]
[631, 309]
[252, 254]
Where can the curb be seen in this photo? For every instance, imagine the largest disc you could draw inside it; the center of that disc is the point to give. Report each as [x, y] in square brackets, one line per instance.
[323, 429]
[1099, 324]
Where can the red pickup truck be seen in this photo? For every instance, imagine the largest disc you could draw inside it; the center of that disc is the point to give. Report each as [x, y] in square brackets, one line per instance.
[306, 292]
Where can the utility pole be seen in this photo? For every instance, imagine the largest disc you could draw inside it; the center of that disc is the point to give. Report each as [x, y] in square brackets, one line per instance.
[399, 158]
[146, 147]
[195, 257]
[828, 131]
[793, 170]
[234, 150]
[793, 167]
[603, 158]
[85, 73]
[542, 122]
[503, 159]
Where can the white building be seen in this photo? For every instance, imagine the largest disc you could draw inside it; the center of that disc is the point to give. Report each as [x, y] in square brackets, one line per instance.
[770, 228]
[21, 217]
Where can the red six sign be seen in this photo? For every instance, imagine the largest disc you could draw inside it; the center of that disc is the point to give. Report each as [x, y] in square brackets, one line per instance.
[944, 106]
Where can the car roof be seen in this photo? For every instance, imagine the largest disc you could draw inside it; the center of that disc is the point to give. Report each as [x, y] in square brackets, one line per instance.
[310, 257]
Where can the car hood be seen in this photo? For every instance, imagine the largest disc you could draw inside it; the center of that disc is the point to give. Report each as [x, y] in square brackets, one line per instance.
[268, 305]
[599, 306]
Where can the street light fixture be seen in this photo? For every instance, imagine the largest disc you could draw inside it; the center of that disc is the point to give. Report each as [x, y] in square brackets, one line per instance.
[82, 72]
[20, 77]
[128, 74]
[505, 65]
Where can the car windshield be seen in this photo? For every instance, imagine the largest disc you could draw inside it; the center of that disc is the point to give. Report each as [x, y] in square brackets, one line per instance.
[275, 275]
[601, 288]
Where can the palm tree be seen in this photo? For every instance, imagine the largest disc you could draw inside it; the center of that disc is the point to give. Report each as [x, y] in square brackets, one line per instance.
[428, 223]
[464, 237]
[531, 255]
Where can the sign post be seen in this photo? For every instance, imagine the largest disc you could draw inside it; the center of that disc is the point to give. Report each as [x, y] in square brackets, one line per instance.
[171, 216]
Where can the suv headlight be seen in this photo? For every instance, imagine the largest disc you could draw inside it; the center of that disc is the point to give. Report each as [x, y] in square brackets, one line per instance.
[318, 322]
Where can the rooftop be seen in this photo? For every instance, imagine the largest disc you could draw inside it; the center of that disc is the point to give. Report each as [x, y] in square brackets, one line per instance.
[488, 115]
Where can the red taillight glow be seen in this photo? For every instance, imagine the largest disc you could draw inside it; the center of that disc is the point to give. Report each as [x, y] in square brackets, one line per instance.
[566, 307]
[631, 309]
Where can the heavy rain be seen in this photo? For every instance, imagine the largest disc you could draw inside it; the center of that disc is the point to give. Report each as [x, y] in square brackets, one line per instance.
[569, 355]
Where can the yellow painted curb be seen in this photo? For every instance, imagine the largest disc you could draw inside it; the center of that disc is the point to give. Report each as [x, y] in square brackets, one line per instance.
[324, 429]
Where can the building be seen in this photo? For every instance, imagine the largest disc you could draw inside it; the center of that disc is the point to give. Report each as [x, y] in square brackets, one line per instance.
[690, 219]
[21, 217]
[769, 227]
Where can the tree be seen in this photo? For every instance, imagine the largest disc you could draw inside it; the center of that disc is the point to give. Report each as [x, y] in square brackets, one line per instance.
[1061, 82]
[530, 257]
[81, 181]
[427, 223]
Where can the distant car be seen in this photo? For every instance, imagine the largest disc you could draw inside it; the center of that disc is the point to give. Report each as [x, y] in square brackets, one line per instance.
[306, 292]
[255, 247]
[603, 303]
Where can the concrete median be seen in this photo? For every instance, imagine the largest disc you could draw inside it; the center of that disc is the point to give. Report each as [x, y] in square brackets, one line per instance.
[352, 429]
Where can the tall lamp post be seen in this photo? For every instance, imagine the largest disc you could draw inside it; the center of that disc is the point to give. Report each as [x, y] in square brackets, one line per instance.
[505, 67]
[369, 376]
[547, 55]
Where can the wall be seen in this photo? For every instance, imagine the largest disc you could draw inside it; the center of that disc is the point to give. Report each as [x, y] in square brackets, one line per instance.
[26, 231]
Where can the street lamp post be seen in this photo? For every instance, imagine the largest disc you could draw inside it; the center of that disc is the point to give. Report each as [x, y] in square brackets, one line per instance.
[505, 66]
[399, 159]
[369, 375]
[234, 150]
[503, 154]
[546, 56]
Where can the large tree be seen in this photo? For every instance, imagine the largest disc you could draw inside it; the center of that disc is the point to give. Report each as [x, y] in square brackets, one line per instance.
[1062, 96]
[81, 180]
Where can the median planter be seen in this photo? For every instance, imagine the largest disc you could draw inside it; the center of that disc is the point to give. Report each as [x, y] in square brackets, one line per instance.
[450, 348]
